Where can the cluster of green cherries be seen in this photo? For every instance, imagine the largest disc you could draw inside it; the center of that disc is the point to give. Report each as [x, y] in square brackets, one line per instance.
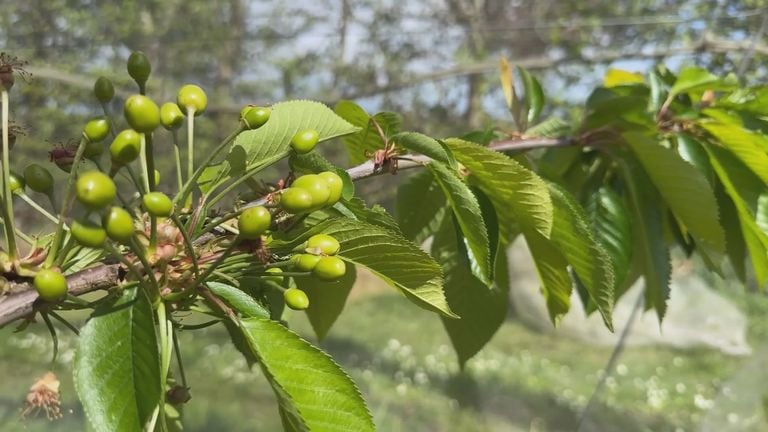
[96, 191]
[307, 193]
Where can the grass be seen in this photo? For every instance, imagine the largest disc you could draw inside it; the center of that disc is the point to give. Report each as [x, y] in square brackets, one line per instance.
[402, 361]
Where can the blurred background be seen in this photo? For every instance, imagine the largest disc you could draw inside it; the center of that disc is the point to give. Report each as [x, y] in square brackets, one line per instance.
[435, 63]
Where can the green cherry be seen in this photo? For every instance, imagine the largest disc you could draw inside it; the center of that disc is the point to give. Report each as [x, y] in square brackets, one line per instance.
[335, 186]
[323, 244]
[125, 148]
[305, 141]
[50, 284]
[17, 182]
[305, 262]
[275, 277]
[192, 96]
[88, 233]
[171, 116]
[118, 224]
[295, 200]
[253, 222]
[139, 67]
[157, 204]
[38, 178]
[95, 190]
[296, 299]
[254, 117]
[317, 188]
[329, 268]
[96, 130]
[141, 113]
[103, 89]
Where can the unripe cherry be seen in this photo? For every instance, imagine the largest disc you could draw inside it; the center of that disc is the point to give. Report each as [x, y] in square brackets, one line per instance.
[192, 96]
[141, 113]
[38, 178]
[16, 182]
[323, 244]
[317, 188]
[254, 116]
[305, 141]
[88, 233]
[295, 200]
[296, 299]
[138, 67]
[329, 268]
[50, 284]
[335, 186]
[95, 190]
[125, 148]
[171, 116]
[96, 130]
[118, 224]
[103, 89]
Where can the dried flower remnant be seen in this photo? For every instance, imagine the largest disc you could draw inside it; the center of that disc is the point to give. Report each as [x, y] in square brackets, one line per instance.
[10, 66]
[44, 395]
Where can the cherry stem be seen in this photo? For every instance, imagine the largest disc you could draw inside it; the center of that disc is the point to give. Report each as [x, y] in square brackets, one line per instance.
[10, 235]
[191, 153]
[69, 192]
[224, 255]
[40, 209]
[187, 242]
[193, 176]
[177, 156]
[243, 177]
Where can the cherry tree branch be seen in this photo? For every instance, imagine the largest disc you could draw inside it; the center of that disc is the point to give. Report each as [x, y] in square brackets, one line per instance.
[21, 300]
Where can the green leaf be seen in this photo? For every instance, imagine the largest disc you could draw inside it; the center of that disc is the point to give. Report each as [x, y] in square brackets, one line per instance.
[552, 268]
[422, 144]
[521, 197]
[744, 189]
[366, 139]
[591, 263]
[273, 140]
[534, 95]
[697, 79]
[117, 365]
[658, 91]
[734, 240]
[652, 253]
[312, 390]
[387, 254]
[375, 215]
[469, 218]
[326, 299]
[619, 77]
[420, 207]
[312, 162]
[286, 119]
[491, 223]
[685, 190]
[551, 127]
[611, 225]
[483, 310]
[238, 300]
[692, 151]
[748, 146]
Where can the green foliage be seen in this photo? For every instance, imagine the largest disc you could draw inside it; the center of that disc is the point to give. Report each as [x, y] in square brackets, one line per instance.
[386, 254]
[469, 218]
[117, 366]
[312, 391]
[657, 164]
[367, 140]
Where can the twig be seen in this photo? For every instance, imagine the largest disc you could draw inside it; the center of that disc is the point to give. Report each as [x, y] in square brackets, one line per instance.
[21, 297]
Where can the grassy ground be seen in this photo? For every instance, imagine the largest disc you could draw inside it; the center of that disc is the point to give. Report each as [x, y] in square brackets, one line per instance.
[402, 360]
